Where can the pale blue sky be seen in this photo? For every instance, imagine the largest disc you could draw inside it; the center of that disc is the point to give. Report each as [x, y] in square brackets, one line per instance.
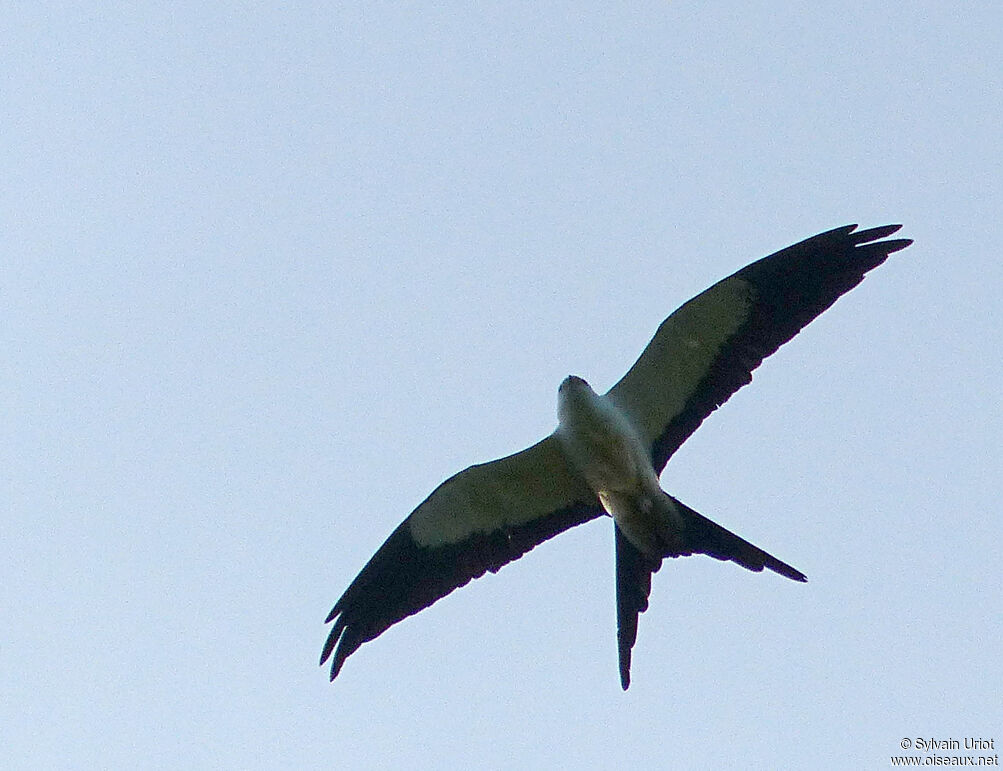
[271, 273]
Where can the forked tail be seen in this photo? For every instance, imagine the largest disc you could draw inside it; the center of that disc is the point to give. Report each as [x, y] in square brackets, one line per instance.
[700, 536]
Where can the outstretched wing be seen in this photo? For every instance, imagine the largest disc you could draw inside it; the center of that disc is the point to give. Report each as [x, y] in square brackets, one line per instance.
[475, 521]
[708, 348]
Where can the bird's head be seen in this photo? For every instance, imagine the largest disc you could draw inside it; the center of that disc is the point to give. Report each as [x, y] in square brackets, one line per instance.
[571, 384]
[574, 397]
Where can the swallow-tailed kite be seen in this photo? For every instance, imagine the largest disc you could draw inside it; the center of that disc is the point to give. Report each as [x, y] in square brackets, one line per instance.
[608, 450]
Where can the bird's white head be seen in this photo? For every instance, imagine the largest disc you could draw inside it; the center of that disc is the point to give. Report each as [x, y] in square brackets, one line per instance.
[572, 393]
[572, 383]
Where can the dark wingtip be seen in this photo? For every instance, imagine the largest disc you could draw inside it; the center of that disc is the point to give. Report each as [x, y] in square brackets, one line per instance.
[873, 234]
[869, 237]
[897, 244]
[625, 679]
[326, 653]
[860, 237]
[782, 568]
[335, 667]
[331, 641]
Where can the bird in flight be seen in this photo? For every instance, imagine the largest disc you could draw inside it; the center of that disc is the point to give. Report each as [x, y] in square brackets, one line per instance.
[608, 450]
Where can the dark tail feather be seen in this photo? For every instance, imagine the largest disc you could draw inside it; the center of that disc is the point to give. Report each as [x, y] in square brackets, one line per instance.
[633, 585]
[700, 536]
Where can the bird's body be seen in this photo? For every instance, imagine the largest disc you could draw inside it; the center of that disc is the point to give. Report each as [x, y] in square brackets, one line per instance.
[608, 450]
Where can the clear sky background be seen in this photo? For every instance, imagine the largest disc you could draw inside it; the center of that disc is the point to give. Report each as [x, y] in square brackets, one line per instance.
[272, 272]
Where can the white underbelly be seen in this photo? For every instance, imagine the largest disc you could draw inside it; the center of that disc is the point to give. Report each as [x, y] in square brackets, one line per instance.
[604, 447]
